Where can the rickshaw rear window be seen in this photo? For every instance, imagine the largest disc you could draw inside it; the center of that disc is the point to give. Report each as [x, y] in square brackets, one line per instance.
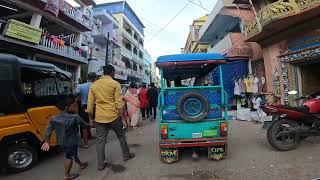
[44, 83]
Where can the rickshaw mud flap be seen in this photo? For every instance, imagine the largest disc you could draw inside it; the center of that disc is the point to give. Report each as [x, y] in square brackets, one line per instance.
[218, 152]
[169, 155]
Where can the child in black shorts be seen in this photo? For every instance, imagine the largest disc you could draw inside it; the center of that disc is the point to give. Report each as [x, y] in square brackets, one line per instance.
[66, 126]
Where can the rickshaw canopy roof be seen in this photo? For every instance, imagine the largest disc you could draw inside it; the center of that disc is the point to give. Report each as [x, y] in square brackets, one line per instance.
[185, 66]
[190, 57]
[23, 63]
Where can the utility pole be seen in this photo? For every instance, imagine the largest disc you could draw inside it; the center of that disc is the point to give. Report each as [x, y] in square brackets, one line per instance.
[107, 50]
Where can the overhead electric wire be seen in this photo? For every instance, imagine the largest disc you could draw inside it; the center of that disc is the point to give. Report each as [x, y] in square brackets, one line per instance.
[200, 6]
[160, 37]
[157, 28]
[169, 22]
[154, 31]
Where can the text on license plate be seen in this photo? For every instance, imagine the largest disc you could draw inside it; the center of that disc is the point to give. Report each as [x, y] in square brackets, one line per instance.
[196, 135]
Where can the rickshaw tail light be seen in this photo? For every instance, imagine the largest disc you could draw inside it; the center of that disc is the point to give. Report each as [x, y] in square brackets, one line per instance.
[164, 131]
[223, 129]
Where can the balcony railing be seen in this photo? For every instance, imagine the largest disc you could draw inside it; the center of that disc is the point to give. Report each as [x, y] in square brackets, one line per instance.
[84, 18]
[127, 53]
[48, 44]
[76, 14]
[277, 10]
[130, 37]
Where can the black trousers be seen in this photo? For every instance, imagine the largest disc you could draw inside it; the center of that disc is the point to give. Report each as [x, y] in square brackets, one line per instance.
[153, 111]
[144, 112]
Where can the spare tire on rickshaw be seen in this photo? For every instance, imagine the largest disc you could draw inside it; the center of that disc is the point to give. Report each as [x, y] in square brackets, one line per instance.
[193, 107]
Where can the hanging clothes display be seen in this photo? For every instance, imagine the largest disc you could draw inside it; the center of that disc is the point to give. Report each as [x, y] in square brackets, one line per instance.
[249, 83]
[242, 86]
[236, 88]
[255, 87]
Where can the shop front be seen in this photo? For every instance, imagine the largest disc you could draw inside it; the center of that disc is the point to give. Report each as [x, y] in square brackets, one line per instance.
[301, 66]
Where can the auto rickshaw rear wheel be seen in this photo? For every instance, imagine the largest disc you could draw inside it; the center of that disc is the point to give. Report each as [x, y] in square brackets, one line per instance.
[21, 157]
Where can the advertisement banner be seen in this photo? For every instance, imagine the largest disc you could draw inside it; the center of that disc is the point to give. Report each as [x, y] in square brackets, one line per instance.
[23, 31]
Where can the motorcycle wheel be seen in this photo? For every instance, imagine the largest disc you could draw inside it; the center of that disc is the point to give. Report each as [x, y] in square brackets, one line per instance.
[283, 142]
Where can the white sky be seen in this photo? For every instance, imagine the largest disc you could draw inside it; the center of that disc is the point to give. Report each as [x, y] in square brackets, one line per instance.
[155, 14]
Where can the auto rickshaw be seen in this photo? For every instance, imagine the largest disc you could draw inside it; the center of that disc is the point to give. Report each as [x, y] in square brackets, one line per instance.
[29, 94]
[193, 113]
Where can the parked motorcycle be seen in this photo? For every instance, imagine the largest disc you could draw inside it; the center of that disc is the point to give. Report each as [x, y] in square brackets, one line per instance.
[290, 125]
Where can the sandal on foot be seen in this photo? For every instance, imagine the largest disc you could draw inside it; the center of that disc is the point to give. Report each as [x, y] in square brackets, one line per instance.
[85, 146]
[102, 167]
[73, 176]
[129, 156]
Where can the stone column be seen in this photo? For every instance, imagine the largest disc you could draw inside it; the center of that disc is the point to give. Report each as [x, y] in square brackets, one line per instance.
[36, 20]
[79, 39]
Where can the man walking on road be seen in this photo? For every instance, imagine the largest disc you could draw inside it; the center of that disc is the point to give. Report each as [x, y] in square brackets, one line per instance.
[110, 114]
[153, 100]
[82, 90]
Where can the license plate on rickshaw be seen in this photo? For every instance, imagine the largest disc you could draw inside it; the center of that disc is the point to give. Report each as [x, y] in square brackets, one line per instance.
[196, 135]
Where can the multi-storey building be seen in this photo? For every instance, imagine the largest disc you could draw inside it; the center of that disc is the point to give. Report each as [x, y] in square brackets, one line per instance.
[48, 31]
[147, 68]
[192, 44]
[105, 35]
[289, 33]
[131, 36]
[223, 33]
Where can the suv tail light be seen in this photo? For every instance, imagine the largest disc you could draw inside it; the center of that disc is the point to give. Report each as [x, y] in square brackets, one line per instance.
[223, 129]
[164, 131]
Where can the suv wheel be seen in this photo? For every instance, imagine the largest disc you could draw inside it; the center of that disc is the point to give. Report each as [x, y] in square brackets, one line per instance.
[21, 157]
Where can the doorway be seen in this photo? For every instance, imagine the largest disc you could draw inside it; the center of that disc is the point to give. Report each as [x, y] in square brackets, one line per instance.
[310, 78]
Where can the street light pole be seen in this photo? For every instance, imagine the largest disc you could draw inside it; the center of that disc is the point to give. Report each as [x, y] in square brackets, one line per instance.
[107, 50]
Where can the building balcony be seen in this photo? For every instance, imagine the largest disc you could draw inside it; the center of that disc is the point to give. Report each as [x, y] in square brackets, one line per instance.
[127, 53]
[129, 37]
[100, 55]
[136, 74]
[137, 59]
[48, 45]
[68, 16]
[42, 44]
[98, 33]
[106, 17]
[280, 16]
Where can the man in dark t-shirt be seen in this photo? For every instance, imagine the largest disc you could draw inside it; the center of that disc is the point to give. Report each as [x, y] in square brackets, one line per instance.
[152, 95]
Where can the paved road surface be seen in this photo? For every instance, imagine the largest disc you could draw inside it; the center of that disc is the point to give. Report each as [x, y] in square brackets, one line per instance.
[250, 158]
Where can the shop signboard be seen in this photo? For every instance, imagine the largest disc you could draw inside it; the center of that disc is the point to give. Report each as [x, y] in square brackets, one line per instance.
[23, 31]
[304, 43]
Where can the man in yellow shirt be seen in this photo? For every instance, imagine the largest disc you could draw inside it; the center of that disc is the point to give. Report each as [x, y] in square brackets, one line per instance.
[105, 94]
